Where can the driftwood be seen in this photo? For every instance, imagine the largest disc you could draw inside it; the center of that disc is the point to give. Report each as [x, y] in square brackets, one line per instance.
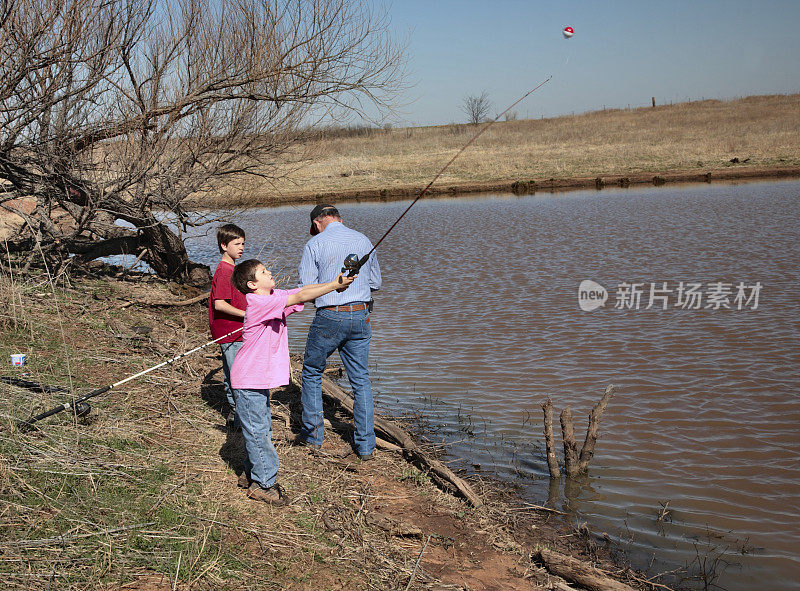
[391, 432]
[166, 304]
[393, 526]
[579, 572]
[188, 302]
[552, 461]
[570, 445]
[379, 443]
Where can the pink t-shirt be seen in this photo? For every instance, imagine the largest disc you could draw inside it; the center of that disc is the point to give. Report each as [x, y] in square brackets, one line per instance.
[263, 361]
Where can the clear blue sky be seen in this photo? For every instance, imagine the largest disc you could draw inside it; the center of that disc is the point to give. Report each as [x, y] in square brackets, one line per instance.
[622, 54]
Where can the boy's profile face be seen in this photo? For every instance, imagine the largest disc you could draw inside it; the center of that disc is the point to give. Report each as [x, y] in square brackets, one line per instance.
[234, 248]
[264, 283]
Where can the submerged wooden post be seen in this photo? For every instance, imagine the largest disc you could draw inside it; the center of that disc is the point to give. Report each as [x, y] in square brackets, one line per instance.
[570, 445]
[552, 461]
[574, 464]
[587, 451]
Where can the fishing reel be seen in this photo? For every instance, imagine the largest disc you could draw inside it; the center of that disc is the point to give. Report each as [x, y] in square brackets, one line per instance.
[81, 409]
[352, 265]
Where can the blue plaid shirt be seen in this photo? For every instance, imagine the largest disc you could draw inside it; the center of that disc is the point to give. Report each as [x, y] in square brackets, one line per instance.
[323, 258]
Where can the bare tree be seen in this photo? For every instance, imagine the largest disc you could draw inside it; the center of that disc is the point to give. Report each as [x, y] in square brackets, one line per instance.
[477, 107]
[113, 112]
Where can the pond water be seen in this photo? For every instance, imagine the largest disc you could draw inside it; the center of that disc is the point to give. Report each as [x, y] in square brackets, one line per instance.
[479, 321]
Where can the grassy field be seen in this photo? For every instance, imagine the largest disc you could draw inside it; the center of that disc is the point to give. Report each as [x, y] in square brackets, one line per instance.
[763, 132]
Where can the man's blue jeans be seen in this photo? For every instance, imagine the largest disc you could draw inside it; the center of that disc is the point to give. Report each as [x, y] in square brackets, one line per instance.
[350, 333]
[252, 409]
[229, 351]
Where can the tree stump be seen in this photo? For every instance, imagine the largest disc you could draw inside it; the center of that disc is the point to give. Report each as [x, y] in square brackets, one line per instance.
[552, 461]
[574, 463]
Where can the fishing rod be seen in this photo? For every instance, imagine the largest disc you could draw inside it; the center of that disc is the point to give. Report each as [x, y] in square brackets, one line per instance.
[352, 264]
[81, 408]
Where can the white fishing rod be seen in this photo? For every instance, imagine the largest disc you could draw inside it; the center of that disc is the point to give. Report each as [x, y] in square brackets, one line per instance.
[81, 408]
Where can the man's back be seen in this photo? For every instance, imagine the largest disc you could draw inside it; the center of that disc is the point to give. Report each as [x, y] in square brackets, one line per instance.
[322, 261]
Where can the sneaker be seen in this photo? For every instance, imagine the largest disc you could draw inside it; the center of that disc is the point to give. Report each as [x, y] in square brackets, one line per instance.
[271, 495]
[244, 480]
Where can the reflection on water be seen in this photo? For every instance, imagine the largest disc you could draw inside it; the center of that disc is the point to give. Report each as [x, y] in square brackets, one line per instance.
[478, 322]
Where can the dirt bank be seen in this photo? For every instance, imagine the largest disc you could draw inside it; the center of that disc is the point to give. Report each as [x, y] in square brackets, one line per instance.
[141, 493]
[516, 186]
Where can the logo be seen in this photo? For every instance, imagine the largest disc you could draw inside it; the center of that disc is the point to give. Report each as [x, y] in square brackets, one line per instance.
[686, 295]
[591, 295]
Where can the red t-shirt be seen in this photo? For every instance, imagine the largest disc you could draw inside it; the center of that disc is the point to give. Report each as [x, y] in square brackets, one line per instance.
[222, 289]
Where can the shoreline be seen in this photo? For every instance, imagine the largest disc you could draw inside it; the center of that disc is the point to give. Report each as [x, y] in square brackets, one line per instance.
[163, 475]
[513, 186]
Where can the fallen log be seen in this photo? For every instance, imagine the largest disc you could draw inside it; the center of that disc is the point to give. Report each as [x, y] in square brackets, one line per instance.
[578, 572]
[391, 432]
[166, 304]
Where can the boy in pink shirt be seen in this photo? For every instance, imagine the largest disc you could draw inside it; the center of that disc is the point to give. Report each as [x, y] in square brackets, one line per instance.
[263, 363]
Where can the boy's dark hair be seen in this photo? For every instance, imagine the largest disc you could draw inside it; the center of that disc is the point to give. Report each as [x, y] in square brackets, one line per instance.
[244, 272]
[227, 233]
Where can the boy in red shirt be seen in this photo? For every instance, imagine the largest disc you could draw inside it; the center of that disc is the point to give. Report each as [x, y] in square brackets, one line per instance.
[226, 306]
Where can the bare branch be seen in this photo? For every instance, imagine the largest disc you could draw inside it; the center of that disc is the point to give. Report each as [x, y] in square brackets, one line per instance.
[116, 108]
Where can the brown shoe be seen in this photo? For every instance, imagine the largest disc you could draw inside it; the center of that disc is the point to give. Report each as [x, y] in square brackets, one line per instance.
[271, 495]
[244, 480]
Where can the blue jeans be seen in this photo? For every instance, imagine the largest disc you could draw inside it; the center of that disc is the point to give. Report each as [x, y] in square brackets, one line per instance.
[229, 351]
[261, 462]
[350, 333]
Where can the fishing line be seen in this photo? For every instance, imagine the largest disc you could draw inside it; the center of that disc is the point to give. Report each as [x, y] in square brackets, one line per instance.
[353, 264]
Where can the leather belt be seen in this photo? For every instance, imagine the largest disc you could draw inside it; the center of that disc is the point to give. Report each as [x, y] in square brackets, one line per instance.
[346, 308]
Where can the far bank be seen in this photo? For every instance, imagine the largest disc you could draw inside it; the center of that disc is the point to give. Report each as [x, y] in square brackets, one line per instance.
[755, 137]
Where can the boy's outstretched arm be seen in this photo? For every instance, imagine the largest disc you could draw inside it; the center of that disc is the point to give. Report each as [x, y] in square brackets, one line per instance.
[312, 292]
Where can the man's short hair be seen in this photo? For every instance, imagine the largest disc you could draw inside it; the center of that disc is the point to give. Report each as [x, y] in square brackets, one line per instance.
[324, 210]
[244, 272]
[227, 233]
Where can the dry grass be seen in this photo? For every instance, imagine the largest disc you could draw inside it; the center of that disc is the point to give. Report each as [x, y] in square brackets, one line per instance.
[683, 137]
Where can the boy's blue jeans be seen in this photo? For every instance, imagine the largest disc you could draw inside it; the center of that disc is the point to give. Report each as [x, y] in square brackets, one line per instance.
[350, 333]
[252, 409]
[229, 351]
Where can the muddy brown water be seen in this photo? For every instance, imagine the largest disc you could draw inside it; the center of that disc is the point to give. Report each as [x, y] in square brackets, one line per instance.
[479, 321]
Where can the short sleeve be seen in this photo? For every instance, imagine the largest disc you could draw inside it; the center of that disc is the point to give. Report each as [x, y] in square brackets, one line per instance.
[263, 308]
[294, 307]
[223, 288]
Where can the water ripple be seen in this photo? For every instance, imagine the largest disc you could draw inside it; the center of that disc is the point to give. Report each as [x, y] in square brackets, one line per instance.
[478, 322]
